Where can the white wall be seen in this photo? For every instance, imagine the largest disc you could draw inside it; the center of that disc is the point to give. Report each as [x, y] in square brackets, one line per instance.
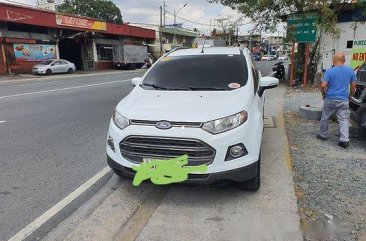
[328, 44]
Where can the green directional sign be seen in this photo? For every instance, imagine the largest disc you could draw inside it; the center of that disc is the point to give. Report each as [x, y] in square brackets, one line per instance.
[302, 27]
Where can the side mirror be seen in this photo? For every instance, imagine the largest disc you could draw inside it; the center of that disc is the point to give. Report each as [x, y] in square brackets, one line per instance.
[52, 64]
[267, 83]
[136, 81]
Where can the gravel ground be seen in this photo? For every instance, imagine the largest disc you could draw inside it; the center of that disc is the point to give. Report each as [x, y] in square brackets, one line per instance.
[330, 181]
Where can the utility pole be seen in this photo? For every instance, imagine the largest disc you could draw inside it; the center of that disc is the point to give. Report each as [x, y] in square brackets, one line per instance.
[164, 14]
[160, 30]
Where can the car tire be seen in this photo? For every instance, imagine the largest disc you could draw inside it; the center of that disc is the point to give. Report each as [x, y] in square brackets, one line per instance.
[70, 71]
[253, 184]
[48, 72]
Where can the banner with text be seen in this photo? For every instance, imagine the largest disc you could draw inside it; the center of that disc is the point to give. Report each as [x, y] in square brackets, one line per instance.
[358, 53]
[64, 20]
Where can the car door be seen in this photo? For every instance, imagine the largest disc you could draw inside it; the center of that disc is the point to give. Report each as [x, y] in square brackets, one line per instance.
[64, 66]
[55, 67]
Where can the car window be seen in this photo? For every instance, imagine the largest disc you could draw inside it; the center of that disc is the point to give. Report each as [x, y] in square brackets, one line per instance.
[64, 62]
[225, 72]
[47, 62]
[56, 63]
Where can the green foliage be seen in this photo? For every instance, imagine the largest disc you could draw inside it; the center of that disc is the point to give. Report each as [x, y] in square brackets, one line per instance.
[266, 15]
[103, 10]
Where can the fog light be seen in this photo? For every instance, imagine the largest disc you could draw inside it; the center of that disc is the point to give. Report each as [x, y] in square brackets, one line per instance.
[110, 143]
[236, 151]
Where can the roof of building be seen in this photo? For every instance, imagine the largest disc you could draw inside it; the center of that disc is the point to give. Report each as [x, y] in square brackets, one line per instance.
[178, 31]
[45, 18]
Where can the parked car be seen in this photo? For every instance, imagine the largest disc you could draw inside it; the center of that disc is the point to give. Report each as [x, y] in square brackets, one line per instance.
[182, 105]
[283, 57]
[269, 57]
[358, 101]
[54, 66]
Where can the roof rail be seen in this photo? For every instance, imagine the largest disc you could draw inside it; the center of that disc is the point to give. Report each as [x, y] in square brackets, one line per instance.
[176, 49]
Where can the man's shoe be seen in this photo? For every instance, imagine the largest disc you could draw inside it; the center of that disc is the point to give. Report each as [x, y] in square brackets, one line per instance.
[321, 137]
[343, 144]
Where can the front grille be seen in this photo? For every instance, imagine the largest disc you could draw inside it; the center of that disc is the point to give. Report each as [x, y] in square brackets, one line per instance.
[135, 148]
[173, 123]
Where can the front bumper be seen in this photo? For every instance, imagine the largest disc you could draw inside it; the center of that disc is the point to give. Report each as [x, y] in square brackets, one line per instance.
[38, 71]
[237, 175]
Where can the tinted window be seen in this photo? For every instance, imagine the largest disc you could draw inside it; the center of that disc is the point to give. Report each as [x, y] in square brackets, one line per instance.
[46, 62]
[206, 71]
[64, 62]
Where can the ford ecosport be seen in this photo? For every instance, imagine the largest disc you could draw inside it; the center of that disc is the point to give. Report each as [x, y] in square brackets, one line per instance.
[205, 103]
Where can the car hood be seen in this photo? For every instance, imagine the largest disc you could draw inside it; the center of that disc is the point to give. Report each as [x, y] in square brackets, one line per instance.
[185, 106]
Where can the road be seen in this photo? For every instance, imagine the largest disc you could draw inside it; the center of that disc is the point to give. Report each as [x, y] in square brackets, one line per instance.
[52, 136]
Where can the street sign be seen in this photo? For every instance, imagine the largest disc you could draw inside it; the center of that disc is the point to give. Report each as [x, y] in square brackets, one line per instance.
[302, 27]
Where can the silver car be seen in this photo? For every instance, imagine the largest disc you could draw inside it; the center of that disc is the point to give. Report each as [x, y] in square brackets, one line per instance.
[54, 66]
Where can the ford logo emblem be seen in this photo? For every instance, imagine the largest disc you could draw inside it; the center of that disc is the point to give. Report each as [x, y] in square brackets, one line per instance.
[164, 125]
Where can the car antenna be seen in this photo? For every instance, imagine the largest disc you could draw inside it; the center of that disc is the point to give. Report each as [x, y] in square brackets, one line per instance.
[203, 47]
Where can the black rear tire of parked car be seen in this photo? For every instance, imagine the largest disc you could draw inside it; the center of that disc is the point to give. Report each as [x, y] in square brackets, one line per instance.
[253, 184]
[70, 71]
[48, 72]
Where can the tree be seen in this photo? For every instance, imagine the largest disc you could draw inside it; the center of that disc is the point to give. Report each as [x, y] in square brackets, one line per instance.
[266, 14]
[103, 10]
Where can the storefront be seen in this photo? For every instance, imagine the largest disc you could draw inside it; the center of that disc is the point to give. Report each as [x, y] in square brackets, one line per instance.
[31, 35]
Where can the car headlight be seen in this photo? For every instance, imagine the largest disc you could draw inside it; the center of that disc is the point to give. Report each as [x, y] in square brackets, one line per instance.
[120, 121]
[226, 123]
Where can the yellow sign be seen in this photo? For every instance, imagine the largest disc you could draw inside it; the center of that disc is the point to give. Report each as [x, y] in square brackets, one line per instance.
[80, 22]
[358, 54]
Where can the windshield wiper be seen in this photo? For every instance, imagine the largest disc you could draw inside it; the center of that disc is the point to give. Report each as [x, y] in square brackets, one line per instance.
[154, 86]
[204, 88]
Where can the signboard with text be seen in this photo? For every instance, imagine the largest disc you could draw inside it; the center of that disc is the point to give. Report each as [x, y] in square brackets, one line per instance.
[302, 27]
[80, 22]
[358, 53]
[34, 52]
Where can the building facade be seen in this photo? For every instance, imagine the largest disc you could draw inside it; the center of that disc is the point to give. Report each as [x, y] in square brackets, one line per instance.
[352, 25]
[168, 38]
[30, 35]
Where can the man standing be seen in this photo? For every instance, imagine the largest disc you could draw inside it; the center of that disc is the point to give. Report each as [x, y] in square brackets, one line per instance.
[337, 86]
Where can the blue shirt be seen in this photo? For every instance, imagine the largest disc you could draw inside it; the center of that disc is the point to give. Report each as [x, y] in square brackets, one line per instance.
[339, 79]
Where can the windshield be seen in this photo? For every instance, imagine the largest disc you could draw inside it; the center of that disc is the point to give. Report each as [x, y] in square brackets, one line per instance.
[206, 72]
[47, 62]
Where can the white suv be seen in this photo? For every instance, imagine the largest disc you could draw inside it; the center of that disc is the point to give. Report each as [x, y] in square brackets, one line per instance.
[206, 103]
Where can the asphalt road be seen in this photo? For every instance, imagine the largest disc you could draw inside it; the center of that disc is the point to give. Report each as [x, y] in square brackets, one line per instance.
[52, 138]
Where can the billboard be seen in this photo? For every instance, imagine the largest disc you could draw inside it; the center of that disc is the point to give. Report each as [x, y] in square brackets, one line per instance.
[358, 53]
[34, 52]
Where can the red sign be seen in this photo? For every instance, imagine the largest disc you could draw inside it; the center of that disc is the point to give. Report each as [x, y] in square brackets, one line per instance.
[80, 22]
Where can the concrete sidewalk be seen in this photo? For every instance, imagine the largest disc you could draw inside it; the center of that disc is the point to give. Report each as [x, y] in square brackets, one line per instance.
[190, 213]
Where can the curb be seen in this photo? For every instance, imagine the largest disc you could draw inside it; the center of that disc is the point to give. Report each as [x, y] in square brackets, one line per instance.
[38, 229]
[63, 76]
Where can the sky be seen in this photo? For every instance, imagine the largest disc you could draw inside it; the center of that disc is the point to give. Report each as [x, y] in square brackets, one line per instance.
[197, 13]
